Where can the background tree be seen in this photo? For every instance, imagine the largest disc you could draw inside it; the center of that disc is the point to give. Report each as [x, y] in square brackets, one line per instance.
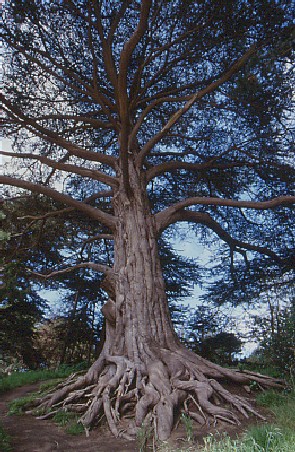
[142, 107]
[276, 333]
[221, 347]
[20, 309]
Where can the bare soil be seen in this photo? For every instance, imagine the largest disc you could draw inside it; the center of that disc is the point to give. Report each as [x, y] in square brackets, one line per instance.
[32, 435]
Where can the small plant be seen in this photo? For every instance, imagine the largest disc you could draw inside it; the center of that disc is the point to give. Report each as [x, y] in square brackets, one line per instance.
[69, 421]
[267, 438]
[143, 434]
[5, 444]
[63, 418]
[75, 428]
[188, 424]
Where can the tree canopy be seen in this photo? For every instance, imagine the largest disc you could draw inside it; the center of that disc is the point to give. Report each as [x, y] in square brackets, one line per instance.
[199, 94]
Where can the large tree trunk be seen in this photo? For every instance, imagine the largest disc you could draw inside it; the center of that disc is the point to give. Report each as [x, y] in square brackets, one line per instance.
[143, 369]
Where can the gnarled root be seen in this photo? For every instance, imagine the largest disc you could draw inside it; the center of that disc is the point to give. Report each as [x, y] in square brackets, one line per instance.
[153, 393]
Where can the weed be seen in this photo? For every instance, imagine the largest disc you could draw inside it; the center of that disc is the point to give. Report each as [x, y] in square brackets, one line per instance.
[62, 418]
[143, 434]
[75, 428]
[188, 424]
[69, 421]
[274, 398]
[5, 444]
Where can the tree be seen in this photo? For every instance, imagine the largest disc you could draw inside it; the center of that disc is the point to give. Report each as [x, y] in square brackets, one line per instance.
[41, 243]
[20, 309]
[276, 333]
[221, 347]
[201, 323]
[157, 113]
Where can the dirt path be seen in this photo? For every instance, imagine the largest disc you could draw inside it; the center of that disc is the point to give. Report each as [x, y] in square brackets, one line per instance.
[32, 435]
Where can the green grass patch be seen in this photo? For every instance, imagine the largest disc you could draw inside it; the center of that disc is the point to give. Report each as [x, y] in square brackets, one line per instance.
[18, 406]
[268, 438]
[5, 441]
[69, 421]
[276, 437]
[17, 379]
[272, 399]
[270, 371]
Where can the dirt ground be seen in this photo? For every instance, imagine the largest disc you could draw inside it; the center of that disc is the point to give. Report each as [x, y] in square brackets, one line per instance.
[32, 435]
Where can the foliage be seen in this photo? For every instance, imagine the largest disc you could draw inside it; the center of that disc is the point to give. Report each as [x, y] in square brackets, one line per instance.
[5, 441]
[264, 439]
[204, 153]
[277, 337]
[188, 424]
[143, 435]
[20, 309]
[221, 347]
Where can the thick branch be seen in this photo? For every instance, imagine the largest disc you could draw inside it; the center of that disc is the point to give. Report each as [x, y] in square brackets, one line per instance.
[92, 212]
[207, 220]
[165, 217]
[197, 96]
[106, 45]
[168, 167]
[84, 172]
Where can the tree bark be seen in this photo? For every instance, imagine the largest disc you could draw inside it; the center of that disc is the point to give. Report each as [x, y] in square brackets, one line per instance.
[142, 314]
[143, 368]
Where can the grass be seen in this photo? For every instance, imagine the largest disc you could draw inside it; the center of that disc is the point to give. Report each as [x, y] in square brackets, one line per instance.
[17, 406]
[5, 442]
[276, 437]
[17, 379]
[69, 421]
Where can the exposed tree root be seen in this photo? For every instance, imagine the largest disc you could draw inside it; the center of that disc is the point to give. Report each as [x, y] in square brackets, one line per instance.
[154, 392]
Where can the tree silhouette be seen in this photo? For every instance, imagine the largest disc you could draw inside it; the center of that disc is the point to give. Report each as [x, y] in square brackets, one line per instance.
[221, 347]
[139, 115]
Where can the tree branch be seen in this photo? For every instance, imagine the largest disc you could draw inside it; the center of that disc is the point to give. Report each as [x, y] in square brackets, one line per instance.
[97, 267]
[54, 138]
[84, 172]
[168, 167]
[54, 213]
[207, 220]
[93, 212]
[164, 218]
[122, 86]
[197, 96]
